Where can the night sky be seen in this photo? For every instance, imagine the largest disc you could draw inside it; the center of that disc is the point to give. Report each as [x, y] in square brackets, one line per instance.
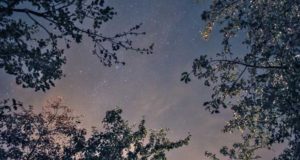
[148, 85]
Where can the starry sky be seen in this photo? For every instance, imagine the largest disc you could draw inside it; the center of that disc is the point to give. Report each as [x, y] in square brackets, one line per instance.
[148, 85]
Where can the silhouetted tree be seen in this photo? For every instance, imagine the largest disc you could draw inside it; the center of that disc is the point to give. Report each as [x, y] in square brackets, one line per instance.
[29, 135]
[55, 134]
[31, 34]
[260, 86]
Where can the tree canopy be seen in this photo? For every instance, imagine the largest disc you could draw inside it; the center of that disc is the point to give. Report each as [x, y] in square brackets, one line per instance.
[36, 61]
[55, 133]
[260, 86]
[33, 37]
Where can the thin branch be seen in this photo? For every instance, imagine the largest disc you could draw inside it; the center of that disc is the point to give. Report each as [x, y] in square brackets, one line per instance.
[25, 10]
[240, 75]
[112, 39]
[64, 6]
[249, 65]
[42, 26]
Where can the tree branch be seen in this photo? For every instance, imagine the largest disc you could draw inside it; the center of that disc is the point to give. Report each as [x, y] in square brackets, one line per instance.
[249, 65]
[64, 6]
[25, 10]
[42, 26]
[240, 75]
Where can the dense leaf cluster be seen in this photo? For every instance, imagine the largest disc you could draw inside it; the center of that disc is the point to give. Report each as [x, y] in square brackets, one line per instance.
[55, 134]
[31, 34]
[262, 85]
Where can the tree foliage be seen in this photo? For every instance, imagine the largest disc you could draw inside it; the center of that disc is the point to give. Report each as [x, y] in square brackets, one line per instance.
[260, 86]
[32, 33]
[55, 134]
